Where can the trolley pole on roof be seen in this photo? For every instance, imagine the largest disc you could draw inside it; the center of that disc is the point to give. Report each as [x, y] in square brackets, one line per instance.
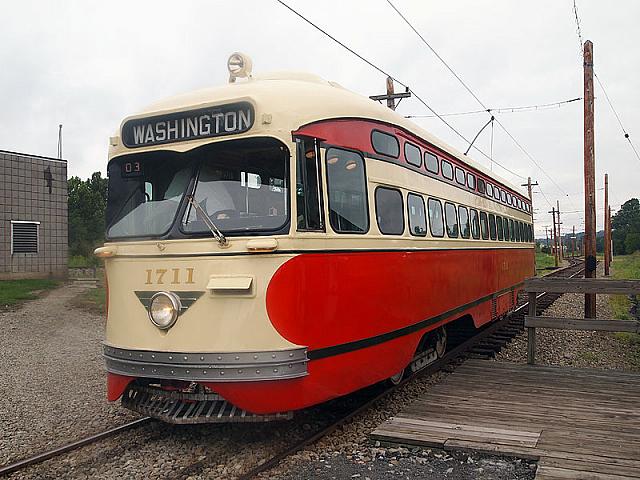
[589, 181]
[607, 233]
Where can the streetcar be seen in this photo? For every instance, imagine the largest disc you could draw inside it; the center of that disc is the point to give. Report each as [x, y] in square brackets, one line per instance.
[280, 241]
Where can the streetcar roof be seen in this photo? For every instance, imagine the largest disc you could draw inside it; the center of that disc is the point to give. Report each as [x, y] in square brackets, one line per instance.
[294, 99]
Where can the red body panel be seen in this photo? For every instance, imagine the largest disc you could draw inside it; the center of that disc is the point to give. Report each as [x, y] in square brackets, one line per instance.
[327, 299]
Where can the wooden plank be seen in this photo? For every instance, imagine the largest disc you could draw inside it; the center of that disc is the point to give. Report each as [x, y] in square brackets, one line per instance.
[582, 285]
[591, 466]
[547, 473]
[458, 426]
[601, 325]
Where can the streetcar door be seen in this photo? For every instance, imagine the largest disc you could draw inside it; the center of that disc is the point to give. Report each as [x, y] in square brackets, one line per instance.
[310, 211]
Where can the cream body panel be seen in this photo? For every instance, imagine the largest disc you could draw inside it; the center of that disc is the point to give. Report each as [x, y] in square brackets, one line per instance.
[216, 322]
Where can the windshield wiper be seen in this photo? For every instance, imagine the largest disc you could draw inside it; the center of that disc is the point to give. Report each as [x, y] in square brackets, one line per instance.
[217, 234]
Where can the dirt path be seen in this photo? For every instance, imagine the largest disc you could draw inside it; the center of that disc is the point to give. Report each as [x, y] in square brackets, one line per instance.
[52, 375]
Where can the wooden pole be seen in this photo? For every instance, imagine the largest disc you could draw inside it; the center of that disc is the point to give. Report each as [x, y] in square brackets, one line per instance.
[391, 103]
[607, 238]
[554, 237]
[561, 253]
[573, 249]
[589, 180]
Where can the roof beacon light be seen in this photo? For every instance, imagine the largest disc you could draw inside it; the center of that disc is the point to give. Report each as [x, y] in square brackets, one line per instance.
[239, 66]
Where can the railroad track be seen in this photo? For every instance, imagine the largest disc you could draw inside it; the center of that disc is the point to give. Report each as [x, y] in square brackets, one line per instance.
[485, 344]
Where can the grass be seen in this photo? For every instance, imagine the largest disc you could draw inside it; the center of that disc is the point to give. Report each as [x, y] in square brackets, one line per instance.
[626, 266]
[16, 291]
[544, 260]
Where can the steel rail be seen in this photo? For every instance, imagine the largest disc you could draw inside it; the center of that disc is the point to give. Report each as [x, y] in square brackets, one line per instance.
[41, 457]
[454, 354]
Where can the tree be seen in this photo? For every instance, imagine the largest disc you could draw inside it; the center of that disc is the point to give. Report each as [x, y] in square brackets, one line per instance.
[87, 203]
[626, 224]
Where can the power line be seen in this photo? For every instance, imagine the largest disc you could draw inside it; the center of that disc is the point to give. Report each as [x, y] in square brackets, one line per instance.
[535, 108]
[379, 69]
[518, 144]
[578, 31]
[624, 131]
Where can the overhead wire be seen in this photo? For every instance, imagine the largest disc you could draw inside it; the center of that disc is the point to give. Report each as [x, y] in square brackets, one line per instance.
[408, 89]
[500, 124]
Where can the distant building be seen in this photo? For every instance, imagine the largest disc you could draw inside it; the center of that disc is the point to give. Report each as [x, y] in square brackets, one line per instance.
[33, 216]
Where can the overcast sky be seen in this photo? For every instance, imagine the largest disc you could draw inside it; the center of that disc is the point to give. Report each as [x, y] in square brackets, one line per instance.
[88, 64]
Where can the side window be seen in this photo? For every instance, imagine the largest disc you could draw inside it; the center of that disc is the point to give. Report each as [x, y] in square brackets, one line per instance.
[447, 170]
[489, 190]
[471, 181]
[465, 228]
[492, 226]
[431, 162]
[435, 217]
[484, 226]
[385, 144]
[475, 225]
[308, 196]
[506, 229]
[460, 176]
[452, 219]
[389, 211]
[417, 216]
[347, 191]
[499, 227]
[517, 224]
[412, 154]
[481, 185]
[512, 231]
[530, 233]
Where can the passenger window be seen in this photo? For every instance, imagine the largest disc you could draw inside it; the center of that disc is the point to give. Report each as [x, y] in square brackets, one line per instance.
[436, 223]
[389, 211]
[506, 229]
[471, 181]
[460, 176]
[492, 226]
[412, 154]
[475, 226]
[431, 162]
[489, 190]
[484, 226]
[385, 144]
[499, 227]
[308, 197]
[447, 170]
[517, 231]
[417, 217]
[348, 211]
[496, 193]
[452, 219]
[463, 215]
[481, 185]
[512, 231]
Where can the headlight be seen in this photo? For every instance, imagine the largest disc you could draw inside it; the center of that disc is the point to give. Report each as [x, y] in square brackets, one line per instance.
[164, 309]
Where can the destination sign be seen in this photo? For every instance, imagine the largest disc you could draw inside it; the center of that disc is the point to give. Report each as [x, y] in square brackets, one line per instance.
[190, 125]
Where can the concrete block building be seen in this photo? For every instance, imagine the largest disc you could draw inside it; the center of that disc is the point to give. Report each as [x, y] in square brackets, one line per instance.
[33, 216]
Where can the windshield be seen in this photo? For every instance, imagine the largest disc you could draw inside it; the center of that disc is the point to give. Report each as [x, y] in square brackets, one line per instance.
[240, 184]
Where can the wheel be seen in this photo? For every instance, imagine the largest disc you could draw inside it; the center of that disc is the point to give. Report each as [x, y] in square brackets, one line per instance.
[441, 342]
[432, 347]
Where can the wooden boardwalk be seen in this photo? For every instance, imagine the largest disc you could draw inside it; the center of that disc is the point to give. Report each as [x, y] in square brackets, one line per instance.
[578, 424]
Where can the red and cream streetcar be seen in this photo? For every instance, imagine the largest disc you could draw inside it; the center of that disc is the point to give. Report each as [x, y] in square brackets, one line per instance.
[281, 241]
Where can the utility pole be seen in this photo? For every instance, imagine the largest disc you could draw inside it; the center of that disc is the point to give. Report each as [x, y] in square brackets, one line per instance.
[391, 103]
[573, 249]
[554, 237]
[391, 96]
[561, 254]
[607, 238]
[546, 233]
[589, 181]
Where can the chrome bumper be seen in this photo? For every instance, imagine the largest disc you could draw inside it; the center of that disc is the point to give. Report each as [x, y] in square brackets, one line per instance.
[208, 367]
